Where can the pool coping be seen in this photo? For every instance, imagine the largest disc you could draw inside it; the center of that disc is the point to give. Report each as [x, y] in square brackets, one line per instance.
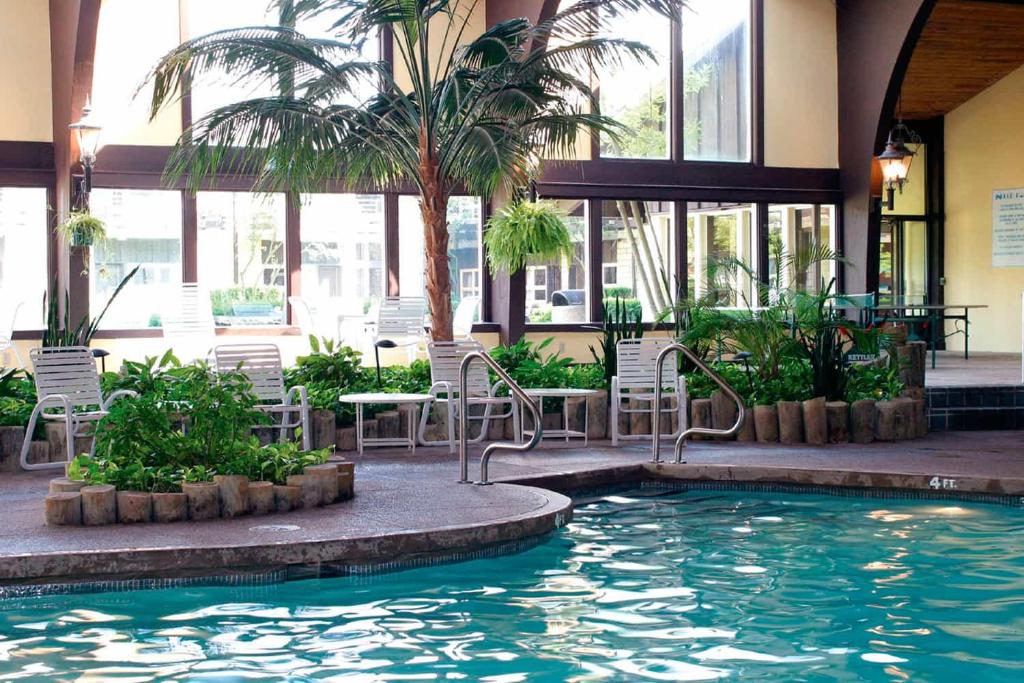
[129, 569]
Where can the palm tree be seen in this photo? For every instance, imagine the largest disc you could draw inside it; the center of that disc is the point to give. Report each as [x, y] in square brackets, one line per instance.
[475, 119]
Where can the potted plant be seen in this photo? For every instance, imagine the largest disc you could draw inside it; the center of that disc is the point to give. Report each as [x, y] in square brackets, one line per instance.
[82, 229]
[524, 230]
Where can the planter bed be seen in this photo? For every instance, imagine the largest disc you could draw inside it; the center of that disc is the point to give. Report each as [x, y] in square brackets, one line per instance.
[75, 503]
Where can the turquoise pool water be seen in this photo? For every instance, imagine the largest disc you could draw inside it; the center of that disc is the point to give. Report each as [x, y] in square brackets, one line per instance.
[643, 585]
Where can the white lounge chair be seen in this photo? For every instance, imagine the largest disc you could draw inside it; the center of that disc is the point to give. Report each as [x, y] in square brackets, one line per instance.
[67, 389]
[465, 316]
[187, 321]
[261, 363]
[7, 334]
[400, 322]
[445, 362]
[635, 380]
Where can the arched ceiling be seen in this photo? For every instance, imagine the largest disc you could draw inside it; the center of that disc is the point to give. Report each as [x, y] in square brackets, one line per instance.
[966, 46]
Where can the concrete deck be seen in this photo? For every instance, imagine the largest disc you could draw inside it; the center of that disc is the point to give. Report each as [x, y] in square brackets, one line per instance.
[408, 505]
[980, 370]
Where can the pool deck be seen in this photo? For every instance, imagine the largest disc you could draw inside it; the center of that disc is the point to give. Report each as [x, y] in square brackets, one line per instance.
[408, 506]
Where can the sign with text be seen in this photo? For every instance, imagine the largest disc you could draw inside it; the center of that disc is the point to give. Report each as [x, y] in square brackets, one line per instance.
[1007, 228]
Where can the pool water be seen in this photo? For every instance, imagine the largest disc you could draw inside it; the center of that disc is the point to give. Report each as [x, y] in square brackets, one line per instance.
[643, 585]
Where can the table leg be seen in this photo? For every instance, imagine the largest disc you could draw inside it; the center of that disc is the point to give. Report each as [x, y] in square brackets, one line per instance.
[933, 322]
[565, 418]
[967, 332]
[359, 428]
[413, 413]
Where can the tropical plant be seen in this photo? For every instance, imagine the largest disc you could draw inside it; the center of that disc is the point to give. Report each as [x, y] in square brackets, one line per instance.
[476, 113]
[59, 331]
[82, 229]
[523, 231]
[617, 324]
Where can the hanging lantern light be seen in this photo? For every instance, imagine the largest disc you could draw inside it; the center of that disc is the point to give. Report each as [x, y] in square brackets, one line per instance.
[87, 131]
[895, 161]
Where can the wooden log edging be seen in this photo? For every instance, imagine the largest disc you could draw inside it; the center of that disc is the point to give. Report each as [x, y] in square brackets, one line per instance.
[72, 503]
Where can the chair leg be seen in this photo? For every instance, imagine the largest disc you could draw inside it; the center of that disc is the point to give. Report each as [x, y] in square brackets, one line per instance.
[424, 417]
[27, 443]
[517, 421]
[70, 429]
[307, 436]
[453, 409]
[485, 420]
[614, 426]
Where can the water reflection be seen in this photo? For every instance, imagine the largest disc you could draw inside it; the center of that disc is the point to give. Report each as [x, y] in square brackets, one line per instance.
[639, 587]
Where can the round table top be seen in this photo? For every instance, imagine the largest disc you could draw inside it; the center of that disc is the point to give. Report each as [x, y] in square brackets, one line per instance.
[382, 397]
[560, 393]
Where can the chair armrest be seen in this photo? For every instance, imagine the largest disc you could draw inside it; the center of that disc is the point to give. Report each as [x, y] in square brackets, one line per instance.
[120, 393]
[298, 390]
[439, 387]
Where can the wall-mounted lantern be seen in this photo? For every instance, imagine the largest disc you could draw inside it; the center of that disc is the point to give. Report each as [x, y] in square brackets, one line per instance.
[895, 161]
[87, 131]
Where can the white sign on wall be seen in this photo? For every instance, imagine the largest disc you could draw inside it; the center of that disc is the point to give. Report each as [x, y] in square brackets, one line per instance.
[1007, 228]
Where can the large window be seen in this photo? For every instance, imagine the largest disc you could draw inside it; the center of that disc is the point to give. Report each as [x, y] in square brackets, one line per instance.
[637, 94]
[464, 255]
[241, 256]
[801, 237]
[204, 16]
[721, 253]
[637, 263]
[556, 289]
[716, 80]
[23, 257]
[343, 251]
[143, 229]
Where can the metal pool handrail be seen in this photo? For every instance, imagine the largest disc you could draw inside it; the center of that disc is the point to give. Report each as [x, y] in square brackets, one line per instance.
[656, 417]
[517, 391]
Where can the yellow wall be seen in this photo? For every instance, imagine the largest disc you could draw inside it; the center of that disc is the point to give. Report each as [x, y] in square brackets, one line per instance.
[26, 113]
[983, 153]
[477, 25]
[801, 116]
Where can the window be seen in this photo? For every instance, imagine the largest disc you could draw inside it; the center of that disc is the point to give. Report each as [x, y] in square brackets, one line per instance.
[556, 290]
[143, 229]
[721, 256]
[23, 256]
[343, 251]
[464, 254]
[216, 90]
[716, 80]
[637, 255]
[799, 235]
[636, 93]
[241, 256]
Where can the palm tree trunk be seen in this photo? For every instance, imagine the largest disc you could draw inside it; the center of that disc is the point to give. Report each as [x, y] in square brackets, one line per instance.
[434, 210]
[638, 263]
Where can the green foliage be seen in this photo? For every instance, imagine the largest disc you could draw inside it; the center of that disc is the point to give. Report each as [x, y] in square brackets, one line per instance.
[618, 323]
[530, 367]
[525, 230]
[59, 331]
[151, 376]
[82, 229]
[223, 301]
[791, 383]
[274, 462]
[879, 381]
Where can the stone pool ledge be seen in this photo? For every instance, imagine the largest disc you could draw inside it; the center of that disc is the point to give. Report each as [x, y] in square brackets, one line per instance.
[385, 525]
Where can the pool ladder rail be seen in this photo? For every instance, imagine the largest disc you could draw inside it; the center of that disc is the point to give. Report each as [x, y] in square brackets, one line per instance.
[676, 347]
[489, 450]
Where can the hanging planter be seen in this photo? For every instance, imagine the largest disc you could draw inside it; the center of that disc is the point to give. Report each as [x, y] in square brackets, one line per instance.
[82, 229]
[524, 231]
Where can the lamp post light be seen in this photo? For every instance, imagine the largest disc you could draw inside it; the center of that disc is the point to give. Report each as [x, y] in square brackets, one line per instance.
[87, 131]
[895, 161]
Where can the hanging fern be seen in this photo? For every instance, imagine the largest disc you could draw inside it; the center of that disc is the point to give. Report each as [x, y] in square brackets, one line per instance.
[526, 230]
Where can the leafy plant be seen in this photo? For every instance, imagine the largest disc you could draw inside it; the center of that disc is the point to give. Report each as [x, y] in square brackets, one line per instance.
[524, 231]
[82, 229]
[474, 116]
[618, 323]
[59, 331]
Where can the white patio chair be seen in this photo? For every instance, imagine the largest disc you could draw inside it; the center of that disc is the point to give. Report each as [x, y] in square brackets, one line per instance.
[445, 361]
[67, 389]
[635, 380]
[7, 334]
[261, 363]
[400, 322]
[187, 321]
[465, 316]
